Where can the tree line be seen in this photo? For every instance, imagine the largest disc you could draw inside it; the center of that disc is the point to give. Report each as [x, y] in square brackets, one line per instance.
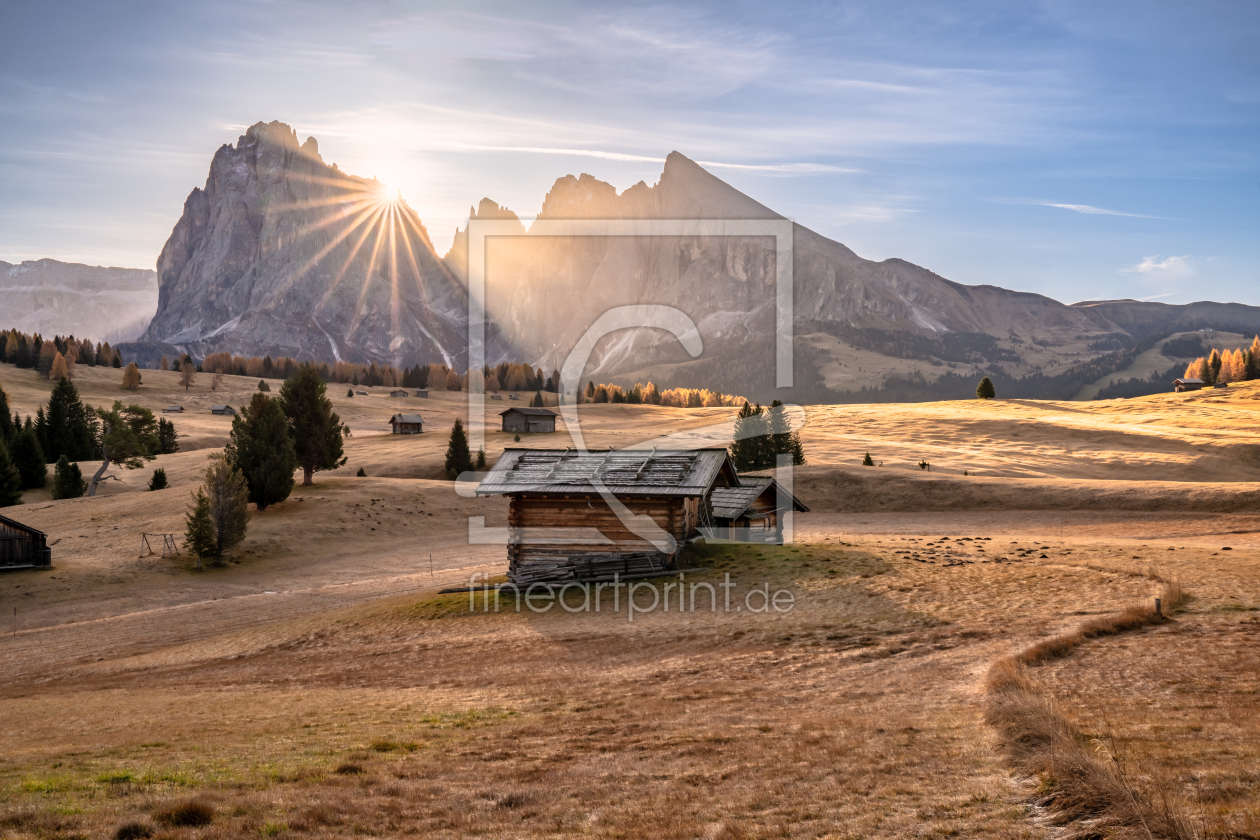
[1225, 366]
[648, 394]
[761, 436]
[55, 357]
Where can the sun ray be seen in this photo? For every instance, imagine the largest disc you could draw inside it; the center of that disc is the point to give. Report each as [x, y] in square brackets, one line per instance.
[367, 278]
[360, 207]
[367, 231]
[365, 216]
[394, 303]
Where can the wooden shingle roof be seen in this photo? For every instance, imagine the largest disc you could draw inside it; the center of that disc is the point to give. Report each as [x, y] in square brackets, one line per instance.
[536, 412]
[731, 502]
[625, 472]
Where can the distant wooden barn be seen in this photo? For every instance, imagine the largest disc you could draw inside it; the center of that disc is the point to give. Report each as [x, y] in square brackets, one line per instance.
[528, 420]
[422, 392]
[22, 547]
[407, 424]
[223, 409]
[1187, 384]
[752, 512]
[173, 409]
[561, 528]
[398, 393]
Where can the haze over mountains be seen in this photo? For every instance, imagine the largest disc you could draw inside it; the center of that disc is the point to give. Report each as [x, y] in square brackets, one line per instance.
[283, 254]
[57, 298]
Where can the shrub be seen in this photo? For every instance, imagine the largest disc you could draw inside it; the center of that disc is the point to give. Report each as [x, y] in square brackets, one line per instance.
[985, 389]
[263, 386]
[191, 814]
[158, 481]
[361, 473]
[68, 481]
[349, 392]
[133, 831]
[867, 461]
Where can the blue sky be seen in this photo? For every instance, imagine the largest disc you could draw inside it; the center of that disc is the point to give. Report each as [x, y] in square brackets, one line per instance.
[1081, 150]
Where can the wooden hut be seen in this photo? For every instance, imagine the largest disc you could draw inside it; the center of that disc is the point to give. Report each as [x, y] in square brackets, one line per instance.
[422, 392]
[752, 512]
[173, 409]
[528, 420]
[1188, 384]
[398, 393]
[22, 547]
[407, 424]
[223, 409]
[561, 528]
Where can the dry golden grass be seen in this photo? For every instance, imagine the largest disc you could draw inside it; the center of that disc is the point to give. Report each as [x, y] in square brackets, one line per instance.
[317, 686]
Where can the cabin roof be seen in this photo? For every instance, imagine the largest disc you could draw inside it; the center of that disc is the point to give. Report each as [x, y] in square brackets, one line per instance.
[625, 472]
[537, 412]
[221, 408]
[1188, 382]
[6, 522]
[731, 502]
[406, 418]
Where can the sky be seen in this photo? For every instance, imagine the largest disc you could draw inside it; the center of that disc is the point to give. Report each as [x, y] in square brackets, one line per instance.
[1080, 150]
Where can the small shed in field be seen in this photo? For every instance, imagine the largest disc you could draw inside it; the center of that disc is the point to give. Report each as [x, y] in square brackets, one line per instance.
[560, 527]
[398, 393]
[223, 409]
[422, 392]
[407, 424]
[173, 409]
[22, 547]
[514, 396]
[528, 420]
[1187, 384]
[496, 396]
[752, 512]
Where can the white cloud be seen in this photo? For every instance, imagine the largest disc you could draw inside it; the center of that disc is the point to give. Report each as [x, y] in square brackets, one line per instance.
[1168, 268]
[1098, 211]
[789, 168]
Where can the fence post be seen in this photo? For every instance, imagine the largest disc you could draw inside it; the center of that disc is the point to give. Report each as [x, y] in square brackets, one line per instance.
[1159, 607]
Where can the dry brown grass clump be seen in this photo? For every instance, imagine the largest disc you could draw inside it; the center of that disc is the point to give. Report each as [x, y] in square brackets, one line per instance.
[1080, 780]
[191, 814]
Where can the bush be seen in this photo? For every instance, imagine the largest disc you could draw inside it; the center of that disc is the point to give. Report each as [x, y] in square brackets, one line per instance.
[517, 438]
[263, 386]
[68, 481]
[158, 481]
[349, 392]
[985, 389]
[868, 461]
[133, 831]
[361, 473]
[190, 814]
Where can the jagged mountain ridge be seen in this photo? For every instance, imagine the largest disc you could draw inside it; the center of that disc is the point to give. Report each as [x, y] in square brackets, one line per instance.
[102, 303]
[283, 254]
[545, 291]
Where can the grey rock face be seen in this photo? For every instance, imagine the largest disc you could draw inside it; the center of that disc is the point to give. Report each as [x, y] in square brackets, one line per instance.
[282, 254]
[56, 298]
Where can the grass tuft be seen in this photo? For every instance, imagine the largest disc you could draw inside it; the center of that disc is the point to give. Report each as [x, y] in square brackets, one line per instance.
[133, 831]
[191, 814]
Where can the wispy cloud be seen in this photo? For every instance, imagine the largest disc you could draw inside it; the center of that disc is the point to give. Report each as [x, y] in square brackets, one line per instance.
[1157, 297]
[1097, 211]
[788, 168]
[1166, 268]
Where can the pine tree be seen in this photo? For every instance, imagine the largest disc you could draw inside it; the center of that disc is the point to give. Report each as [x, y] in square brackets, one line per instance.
[6, 421]
[537, 401]
[10, 479]
[985, 389]
[199, 528]
[868, 461]
[317, 430]
[68, 481]
[71, 425]
[262, 449]
[229, 502]
[750, 450]
[128, 439]
[167, 442]
[458, 457]
[28, 456]
[481, 458]
[1253, 359]
[263, 386]
[350, 392]
[1214, 362]
[158, 480]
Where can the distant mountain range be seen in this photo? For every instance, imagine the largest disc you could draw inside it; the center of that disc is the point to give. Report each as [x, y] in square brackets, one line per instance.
[57, 298]
[283, 254]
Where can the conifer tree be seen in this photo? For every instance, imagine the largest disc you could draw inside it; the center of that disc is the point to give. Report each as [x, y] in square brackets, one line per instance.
[71, 425]
[262, 449]
[28, 457]
[750, 450]
[1214, 362]
[6, 421]
[481, 458]
[985, 389]
[458, 457]
[10, 479]
[68, 480]
[229, 502]
[317, 430]
[1253, 359]
[868, 461]
[167, 442]
[158, 480]
[128, 439]
[59, 369]
[131, 377]
[199, 528]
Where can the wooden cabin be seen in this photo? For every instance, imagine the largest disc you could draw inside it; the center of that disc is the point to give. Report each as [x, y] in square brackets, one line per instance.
[752, 512]
[407, 424]
[22, 547]
[223, 409]
[422, 392]
[1187, 384]
[173, 409]
[528, 420]
[560, 527]
[398, 393]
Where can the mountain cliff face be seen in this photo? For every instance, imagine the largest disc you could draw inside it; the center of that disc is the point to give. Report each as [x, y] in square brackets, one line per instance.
[285, 255]
[57, 298]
